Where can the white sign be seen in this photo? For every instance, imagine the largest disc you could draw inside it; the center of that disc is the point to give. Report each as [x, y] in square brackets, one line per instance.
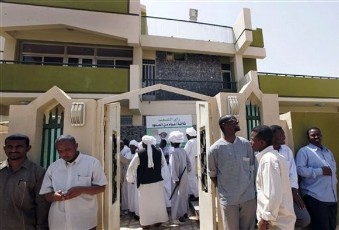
[163, 125]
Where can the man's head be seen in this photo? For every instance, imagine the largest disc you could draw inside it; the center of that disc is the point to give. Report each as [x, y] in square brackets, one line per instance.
[191, 133]
[229, 124]
[261, 137]
[278, 136]
[176, 137]
[162, 143]
[133, 146]
[16, 147]
[67, 147]
[122, 145]
[314, 136]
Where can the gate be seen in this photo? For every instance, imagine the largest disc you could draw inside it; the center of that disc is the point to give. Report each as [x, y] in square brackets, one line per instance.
[53, 124]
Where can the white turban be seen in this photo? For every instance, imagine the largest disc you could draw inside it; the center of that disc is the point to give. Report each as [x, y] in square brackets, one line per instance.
[149, 141]
[176, 137]
[134, 143]
[191, 131]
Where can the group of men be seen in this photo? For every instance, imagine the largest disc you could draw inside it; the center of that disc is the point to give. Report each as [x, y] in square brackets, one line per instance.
[162, 177]
[257, 180]
[63, 197]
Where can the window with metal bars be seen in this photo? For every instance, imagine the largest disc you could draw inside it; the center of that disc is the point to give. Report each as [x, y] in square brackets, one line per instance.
[53, 125]
[252, 117]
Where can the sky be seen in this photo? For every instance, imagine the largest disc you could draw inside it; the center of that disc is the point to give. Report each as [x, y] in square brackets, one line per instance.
[300, 37]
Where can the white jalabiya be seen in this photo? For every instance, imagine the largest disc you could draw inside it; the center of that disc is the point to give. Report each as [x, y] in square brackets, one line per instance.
[274, 196]
[166, 175]
[179, 201]
[124, 160]
[133, 196]
[152, 206]
[191, 150]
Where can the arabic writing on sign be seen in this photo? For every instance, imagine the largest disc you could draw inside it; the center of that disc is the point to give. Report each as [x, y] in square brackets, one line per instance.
[169, 124]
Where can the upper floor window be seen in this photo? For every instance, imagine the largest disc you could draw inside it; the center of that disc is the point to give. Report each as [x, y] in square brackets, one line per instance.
[226, 76]
[75, 55]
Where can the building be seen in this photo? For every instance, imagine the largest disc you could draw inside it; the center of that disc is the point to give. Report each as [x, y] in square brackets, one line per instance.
[97, 70]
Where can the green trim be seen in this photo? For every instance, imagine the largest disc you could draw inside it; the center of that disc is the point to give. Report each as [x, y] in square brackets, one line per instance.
[299, 86]
[249, 64]
[121, 6]
[36, 78]
[258, 38]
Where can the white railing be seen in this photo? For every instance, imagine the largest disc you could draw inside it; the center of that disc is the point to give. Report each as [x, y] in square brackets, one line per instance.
[187, 29]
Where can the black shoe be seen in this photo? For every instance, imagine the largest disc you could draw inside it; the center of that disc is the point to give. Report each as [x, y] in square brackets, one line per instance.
[185, 216]
[182, 219]
[136, 217]
[157, 225]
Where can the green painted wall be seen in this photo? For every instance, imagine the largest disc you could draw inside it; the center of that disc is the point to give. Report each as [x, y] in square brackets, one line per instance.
[249, 64]
[34, 78]
[299, 86]
[258, 38]
[112, 6]
[327, 122]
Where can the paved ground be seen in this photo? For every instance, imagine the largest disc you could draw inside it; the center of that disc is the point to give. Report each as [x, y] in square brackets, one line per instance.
[128, 222]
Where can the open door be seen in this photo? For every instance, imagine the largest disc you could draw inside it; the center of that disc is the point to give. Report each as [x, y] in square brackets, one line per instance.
[207, 201]
[112, 166]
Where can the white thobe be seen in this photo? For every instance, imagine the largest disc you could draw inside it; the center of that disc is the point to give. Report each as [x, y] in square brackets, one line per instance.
[179, 166]
[191, 150]
[152, 206]
[166, 175]
[133, 196]
[274, 195]
[124, 160]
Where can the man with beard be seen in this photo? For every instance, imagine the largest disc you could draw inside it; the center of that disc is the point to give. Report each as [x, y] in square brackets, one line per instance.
[230, 166]
[20, 203]
[316, 167]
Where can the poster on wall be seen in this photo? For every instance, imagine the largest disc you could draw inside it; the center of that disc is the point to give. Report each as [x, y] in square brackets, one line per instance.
[161, 126]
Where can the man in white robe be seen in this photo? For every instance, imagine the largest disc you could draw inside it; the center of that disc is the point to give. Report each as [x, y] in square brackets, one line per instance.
[125, 158]
[179, 166]
[191, 150]
[146, 167]
[133, 197]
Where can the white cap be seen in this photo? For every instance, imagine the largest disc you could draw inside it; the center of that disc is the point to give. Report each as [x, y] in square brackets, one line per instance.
[176, 137]
[134, 143]
[191, 131]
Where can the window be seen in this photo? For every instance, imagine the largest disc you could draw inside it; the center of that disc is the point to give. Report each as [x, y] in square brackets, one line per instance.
[252, 116]
[74, 55]
[175, 56]
[226, 76]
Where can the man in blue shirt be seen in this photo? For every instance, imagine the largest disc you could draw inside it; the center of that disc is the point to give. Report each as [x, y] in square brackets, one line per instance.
[317, 168]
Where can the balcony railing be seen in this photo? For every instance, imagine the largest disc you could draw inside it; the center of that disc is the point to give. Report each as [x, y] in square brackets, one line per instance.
[293, 85]
[297, 75]
[186, 29]
[208, 88]
[35, 77]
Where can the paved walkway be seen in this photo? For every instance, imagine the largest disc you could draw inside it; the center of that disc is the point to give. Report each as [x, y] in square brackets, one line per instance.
[128, 222]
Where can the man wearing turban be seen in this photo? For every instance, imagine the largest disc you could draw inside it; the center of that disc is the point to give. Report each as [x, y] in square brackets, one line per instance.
[146, 168]
[133, 201]
[179, 166]
[191, 150]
